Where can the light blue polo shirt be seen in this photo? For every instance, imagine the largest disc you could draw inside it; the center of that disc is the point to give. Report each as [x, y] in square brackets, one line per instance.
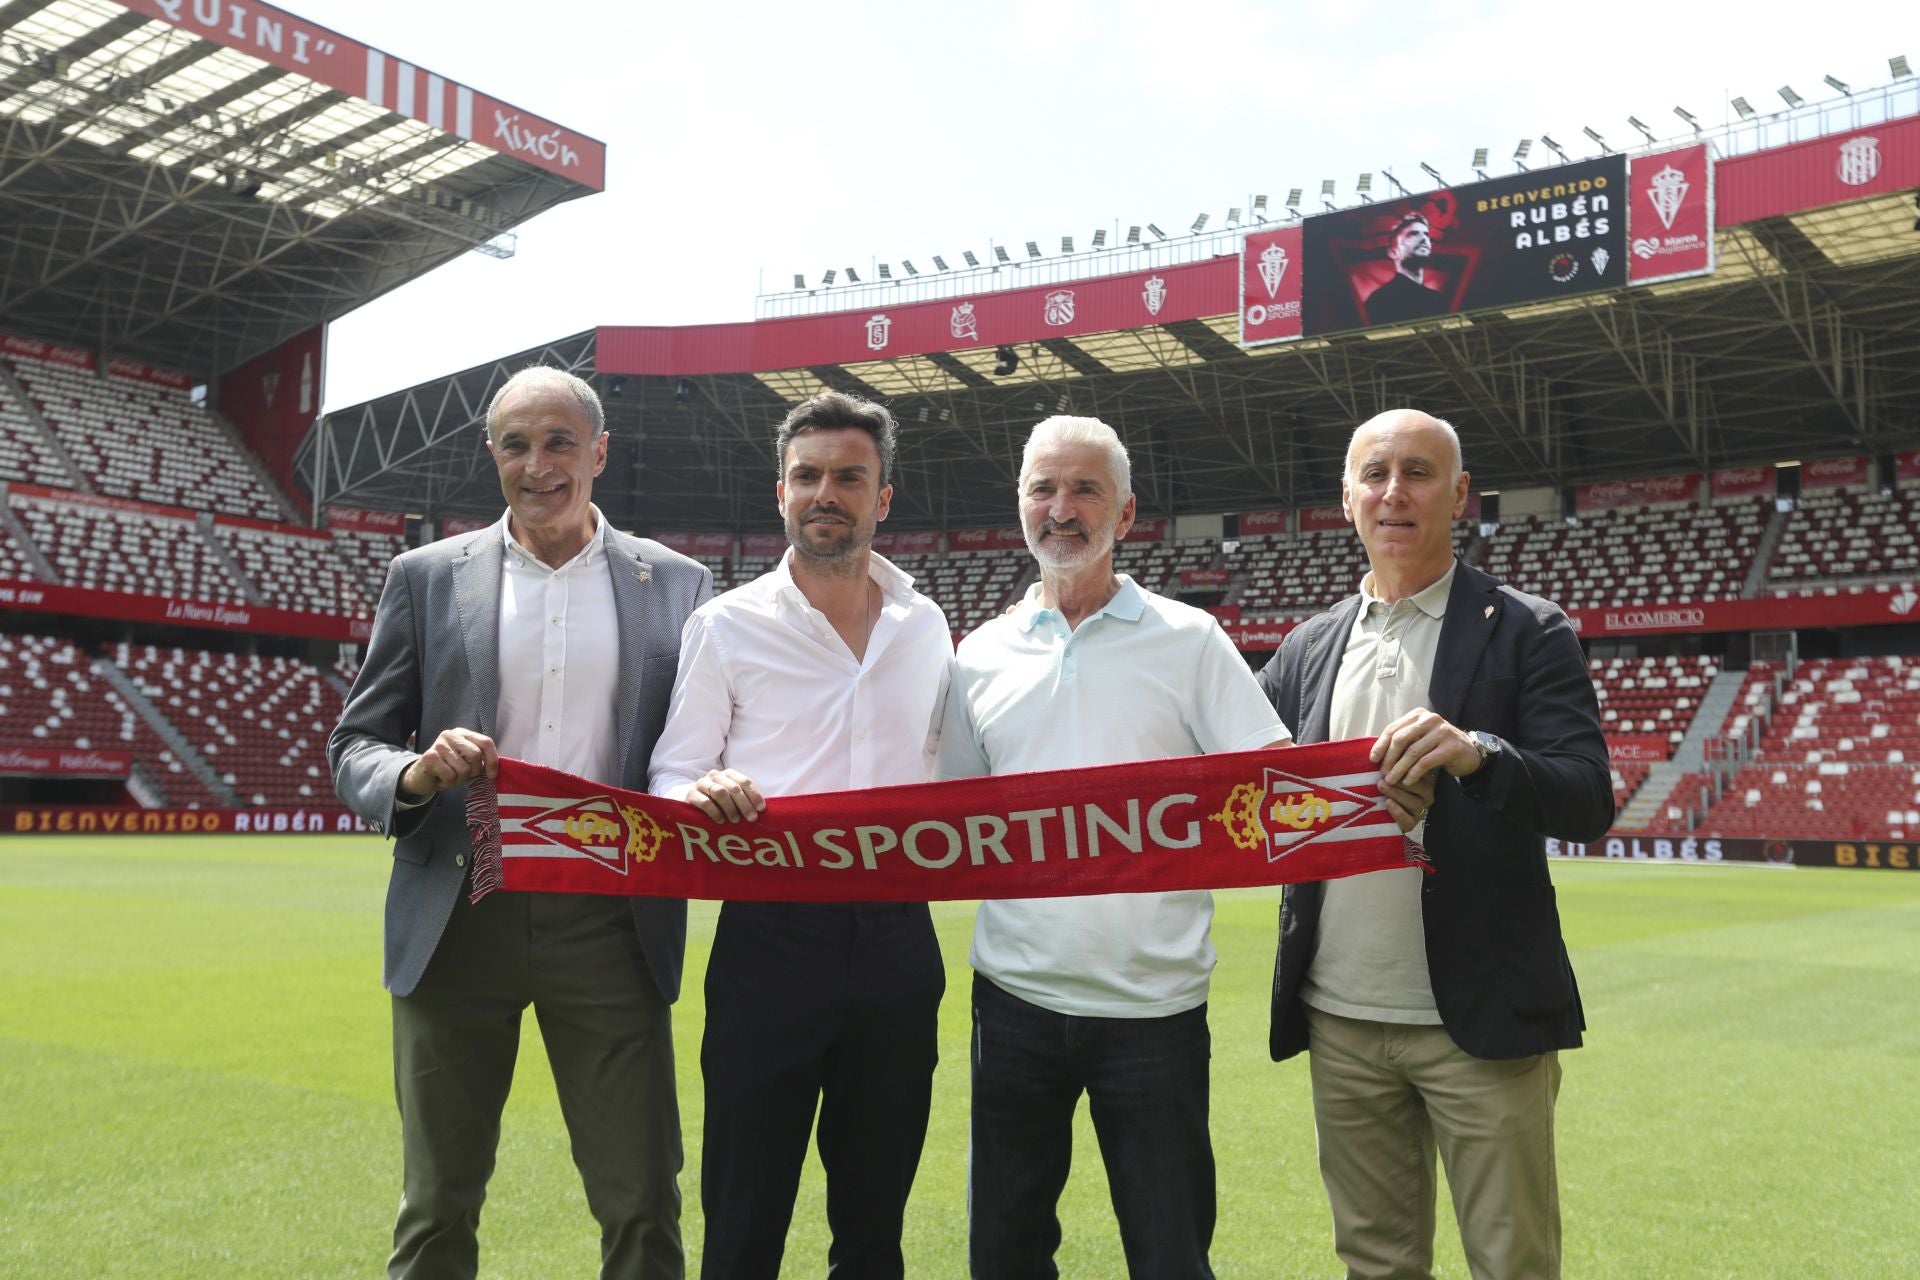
[1142, 678]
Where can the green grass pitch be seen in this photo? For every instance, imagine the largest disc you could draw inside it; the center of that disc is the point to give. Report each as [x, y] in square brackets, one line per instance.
[195, 1080]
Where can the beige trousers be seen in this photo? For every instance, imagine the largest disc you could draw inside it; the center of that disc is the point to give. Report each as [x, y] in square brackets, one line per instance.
[1385, 1097]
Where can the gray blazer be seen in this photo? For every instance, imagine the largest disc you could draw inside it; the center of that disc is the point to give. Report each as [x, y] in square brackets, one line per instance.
[433, 663]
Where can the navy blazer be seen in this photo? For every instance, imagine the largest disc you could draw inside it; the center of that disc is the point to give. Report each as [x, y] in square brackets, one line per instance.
[1509, 664]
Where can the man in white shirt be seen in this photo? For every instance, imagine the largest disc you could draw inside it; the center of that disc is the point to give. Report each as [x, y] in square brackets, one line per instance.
[827, 674]
[551, 638]
[1104, 995]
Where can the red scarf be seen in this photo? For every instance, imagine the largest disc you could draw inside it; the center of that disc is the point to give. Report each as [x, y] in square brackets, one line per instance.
[1275, 816]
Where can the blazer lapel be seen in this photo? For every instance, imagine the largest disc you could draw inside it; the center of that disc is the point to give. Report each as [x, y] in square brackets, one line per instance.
[632, 584]
[1473, 611]
[476, 594]
[1323, 668]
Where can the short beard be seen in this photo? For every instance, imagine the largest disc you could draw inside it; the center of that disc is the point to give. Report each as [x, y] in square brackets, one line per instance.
[843, 558]
[1049, 556]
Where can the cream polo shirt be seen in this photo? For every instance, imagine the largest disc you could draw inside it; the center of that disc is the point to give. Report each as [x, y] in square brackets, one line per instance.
[1142, 678]
[1370, 956]
[768, 687]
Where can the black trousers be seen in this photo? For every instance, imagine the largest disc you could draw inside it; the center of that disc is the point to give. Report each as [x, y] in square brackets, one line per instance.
[834, 1005]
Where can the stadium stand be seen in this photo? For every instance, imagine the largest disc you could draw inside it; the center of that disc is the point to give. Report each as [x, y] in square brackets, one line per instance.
[1846, 535]
[262, 723]
[971, 586]
[1296, 575]
[367, 556]
[144, 441]
[142, 552]
[296, 569]
[50, 697]
[24, 453]
[1634, 556]
[1157, 565]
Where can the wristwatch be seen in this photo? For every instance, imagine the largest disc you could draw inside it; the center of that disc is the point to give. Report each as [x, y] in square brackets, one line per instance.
[1488, 745]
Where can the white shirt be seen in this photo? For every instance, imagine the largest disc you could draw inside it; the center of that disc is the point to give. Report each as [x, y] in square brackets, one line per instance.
[767, 686]
[1370, 949]
[559, 650]
[1142, 678]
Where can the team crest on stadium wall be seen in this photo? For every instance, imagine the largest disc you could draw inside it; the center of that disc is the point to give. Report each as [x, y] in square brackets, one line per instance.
[879, 328]
[1859, 161]
[1154, 295]
[1273, 268]
[1284, 811]
[963, 324]
[1060, 307]
[1667, 190]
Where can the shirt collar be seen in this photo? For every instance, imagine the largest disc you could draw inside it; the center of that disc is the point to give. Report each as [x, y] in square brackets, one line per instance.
[595, 549]
[1127, 604]
[895, 583]
[1430, 599]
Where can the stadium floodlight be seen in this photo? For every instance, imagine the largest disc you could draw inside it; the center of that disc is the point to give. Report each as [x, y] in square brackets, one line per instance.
[1432, 172]
[1326, 188]
[1033, 248]
[1000, 254]
[853, 277]
[1362, 185]
[1479, 165]
[1520, 154]
[908, 264]
[1742, 109]
[1899, 66]
[940, 263]
[1100, 238]
[1688, 116]
[1594, 134]
[1637, 123]
[1788, 96]
[828, 278]
[1548, 142]
[799, 281]
[886, 272]
[1158, 234]
[1233, 217]
[1199, 224]
[1133, 235]
[1066, 244]
[966, 256]
[1259, 208]
[1293, 200]
[1837, 83]
[1006, 360]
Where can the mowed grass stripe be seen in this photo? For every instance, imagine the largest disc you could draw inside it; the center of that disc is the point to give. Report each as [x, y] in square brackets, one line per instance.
[195, 1080]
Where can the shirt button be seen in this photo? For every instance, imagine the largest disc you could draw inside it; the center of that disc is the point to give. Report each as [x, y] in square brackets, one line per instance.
[549, 728]
[459, 859]
[555, 621]
[553, 671]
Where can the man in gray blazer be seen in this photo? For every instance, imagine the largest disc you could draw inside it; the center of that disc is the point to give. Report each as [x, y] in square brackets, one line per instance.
[552, 638]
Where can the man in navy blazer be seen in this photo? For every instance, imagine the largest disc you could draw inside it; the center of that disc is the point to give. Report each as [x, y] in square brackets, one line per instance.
[551, 637]
[1433, 1006]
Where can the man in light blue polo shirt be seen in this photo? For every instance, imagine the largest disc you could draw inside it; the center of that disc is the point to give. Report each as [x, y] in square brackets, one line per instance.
[1103, 995]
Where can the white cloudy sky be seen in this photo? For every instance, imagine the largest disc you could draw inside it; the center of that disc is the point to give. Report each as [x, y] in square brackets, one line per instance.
[750, 140]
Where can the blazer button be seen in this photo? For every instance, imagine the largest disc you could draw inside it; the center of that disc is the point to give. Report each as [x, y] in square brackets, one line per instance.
[459, 859]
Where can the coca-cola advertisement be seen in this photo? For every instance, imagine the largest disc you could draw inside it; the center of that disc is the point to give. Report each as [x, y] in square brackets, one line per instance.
[920, 542]
[354, 520]
[1259, 524]
[1001, 539]
[453, 526]
[1907, 466]
[51, 352]
[700, 546]
[1314, 518]
[1653, 492]
[1204, 579]
[1154, 530]
[1833, 473]
[1744, 482]
[768, 545]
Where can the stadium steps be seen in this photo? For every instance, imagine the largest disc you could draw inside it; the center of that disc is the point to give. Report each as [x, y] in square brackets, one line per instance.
[220, 553]
[1763, 555]
[1689, 757]
[183, 750]
[46, 437]
[23, 541]
[290, 512]
[336, 683]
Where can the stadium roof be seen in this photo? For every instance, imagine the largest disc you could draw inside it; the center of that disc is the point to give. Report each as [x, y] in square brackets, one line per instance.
[192, 182]
[1805, 342]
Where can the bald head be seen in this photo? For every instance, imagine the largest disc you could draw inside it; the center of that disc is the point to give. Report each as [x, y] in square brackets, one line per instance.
[1409, 420]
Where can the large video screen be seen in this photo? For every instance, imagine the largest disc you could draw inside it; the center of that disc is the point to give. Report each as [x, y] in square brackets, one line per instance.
[1505, 242]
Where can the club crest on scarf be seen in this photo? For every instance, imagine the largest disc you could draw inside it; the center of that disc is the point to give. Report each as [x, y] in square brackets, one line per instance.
[614, 835]
[1283, 811]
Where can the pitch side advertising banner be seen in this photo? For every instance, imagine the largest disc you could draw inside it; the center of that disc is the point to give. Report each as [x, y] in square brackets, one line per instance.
[280, 39]
[1312, 518]
[1670, 215]
[1270, 303]
[1532, 237]
[47, 597]
[359, 521]
[84, 819]
[1636, 747]
[64, 762]
[1259, 524]
[920, 542]
[1895, 855]
[1882, 603]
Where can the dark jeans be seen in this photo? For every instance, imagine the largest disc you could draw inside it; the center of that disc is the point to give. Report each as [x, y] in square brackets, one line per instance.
[1146, 1084]
[829, 1004]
